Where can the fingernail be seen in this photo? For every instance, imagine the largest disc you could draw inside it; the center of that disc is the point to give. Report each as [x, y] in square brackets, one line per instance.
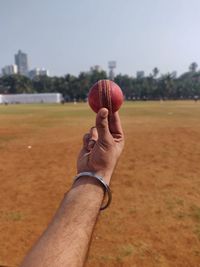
[104, 113]
[91, 144]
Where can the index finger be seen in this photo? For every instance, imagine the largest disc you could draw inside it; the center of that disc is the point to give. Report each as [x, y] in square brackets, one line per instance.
[93, 133]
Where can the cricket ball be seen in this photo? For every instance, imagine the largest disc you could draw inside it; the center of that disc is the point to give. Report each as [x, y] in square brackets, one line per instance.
[107, 94]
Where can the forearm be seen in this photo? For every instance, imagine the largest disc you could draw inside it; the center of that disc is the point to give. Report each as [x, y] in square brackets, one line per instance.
[66, 240]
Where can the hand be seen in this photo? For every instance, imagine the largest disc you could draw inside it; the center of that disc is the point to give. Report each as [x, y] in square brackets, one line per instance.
[102, 146]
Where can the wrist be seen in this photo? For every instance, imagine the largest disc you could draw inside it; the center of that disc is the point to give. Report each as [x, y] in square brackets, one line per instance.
[91, 182]
[106, 176]
[98, 180]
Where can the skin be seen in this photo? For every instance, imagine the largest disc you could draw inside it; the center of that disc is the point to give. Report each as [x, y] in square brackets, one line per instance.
[66, 240]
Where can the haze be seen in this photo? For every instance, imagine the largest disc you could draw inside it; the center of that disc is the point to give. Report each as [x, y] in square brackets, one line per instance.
[71, 36]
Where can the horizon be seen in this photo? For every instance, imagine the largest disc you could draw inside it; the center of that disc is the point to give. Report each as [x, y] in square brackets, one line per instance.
[101, 69]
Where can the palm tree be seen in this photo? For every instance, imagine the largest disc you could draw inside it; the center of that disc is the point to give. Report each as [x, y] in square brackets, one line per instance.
[193, 67]
[155, 72]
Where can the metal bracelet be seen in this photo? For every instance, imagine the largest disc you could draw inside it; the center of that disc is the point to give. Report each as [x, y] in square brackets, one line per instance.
[103, 183]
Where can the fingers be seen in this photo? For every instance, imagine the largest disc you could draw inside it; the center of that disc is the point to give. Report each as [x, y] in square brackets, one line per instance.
[93, 138]
[86, 138]
[84, 149]
[104, 131]
[89, 139]
[93, 133]
[102, 124]
[115, 125]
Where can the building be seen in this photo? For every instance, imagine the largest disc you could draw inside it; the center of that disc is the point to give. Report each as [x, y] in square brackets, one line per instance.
[96, 68]
[31, 98]
[140, 74]
[112, 65]
[33, 73]
[38, 72]
[21, 60]
[10, 70]
[44, 72]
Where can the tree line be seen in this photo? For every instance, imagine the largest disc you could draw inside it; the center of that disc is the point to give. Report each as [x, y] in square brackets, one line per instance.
[153, 86]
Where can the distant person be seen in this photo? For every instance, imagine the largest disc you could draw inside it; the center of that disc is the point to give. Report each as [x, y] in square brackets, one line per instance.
[66, 240]
[196, 97]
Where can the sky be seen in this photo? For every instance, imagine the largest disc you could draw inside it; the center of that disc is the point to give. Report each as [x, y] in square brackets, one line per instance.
[70, 36]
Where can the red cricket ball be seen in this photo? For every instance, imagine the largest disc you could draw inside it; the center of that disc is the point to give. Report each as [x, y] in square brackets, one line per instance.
[107, 94]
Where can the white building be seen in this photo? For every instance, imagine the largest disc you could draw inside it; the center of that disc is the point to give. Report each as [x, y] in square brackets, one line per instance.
[96, 68]
[44, 72]
[38, 72]
[10, 70]
[31, 98]
[140, 74]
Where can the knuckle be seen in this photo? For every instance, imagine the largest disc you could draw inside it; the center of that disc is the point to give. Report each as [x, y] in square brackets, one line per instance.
[102, 125]
[86, 137]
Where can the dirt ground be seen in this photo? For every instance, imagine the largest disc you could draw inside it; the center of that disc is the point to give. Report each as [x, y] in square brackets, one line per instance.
[154, 219]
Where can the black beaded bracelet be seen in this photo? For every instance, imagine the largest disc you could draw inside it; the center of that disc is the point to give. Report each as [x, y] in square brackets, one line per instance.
[103, 183]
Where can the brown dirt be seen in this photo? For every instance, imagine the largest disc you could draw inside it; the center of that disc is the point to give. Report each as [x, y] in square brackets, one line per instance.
[154, 219]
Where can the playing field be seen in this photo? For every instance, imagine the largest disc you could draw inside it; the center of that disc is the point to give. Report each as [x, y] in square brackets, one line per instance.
[154, 219]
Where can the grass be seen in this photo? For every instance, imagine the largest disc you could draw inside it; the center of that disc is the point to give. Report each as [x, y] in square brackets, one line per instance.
[46, 115]
[12, 216]
[6, 138]
[126, 250]
[168, 109]
[42, 115]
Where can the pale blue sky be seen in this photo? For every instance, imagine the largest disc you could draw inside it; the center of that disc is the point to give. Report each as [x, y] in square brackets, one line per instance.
[69, 36]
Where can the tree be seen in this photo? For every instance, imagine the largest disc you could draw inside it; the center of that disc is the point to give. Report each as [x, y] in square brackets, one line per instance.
[43, 84]
[96, 75]
[76, 87]
[16, 84]
[193, 67]
[126, 84]
[155, 72]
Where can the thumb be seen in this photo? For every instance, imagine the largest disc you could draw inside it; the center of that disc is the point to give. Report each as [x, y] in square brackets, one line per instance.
[102, 124]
